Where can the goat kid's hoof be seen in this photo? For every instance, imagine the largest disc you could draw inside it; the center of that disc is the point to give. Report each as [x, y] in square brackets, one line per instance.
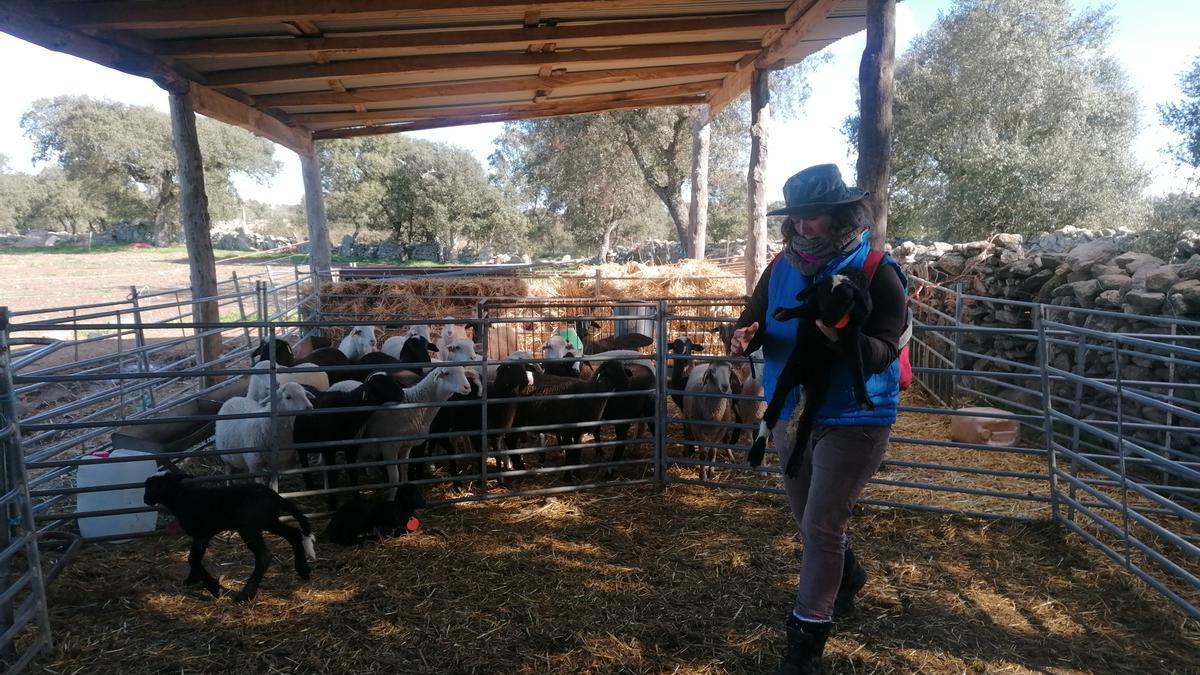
[304, 573]
[242, 597]
[192, 581]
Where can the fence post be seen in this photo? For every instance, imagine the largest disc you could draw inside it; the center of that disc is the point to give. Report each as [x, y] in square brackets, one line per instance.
[237, 291]
[660, 412]
[1120, 412]
[17, 512]
[1080, 368]
[273, 450]
[481, 313]
[1039, 317]
[954, 377]
[260, 308]
[143, 359]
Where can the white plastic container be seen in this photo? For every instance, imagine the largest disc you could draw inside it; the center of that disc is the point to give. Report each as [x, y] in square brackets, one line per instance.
[984, 430]
[101, 472]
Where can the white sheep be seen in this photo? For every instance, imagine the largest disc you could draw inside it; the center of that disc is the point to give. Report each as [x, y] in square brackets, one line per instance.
[710, 378]
[436, 387]
[255, 432]
[358, 342]
[450, 333]
[305, 373]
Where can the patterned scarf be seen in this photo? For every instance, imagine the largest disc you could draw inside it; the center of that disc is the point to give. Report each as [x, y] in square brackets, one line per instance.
[810, 256]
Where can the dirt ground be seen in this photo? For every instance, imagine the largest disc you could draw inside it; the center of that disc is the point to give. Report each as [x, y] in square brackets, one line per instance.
[40, 278]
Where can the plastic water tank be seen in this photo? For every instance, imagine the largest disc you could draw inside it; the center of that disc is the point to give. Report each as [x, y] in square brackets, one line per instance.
[100, 472]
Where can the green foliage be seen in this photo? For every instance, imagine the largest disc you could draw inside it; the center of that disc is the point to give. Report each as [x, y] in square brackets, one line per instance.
[1169, 217]
[1011, 116]
[416, 190]
[1184, 117]
[119, 158]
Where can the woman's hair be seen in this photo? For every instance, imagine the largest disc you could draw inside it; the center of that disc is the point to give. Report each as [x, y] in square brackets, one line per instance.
[854, 217]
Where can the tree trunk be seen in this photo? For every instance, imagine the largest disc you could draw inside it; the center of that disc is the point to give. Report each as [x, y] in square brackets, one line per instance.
[314, 208]
[876, 80]
[760, 121]
[166, 195]
[606, 241]
[698, 218]
[193, 206]
[671, 194]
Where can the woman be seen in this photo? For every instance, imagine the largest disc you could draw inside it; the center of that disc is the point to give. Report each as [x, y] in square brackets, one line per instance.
[826, 230]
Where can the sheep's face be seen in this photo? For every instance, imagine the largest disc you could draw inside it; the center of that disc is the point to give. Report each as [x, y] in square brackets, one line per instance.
[418, 331]
[716, 377]
[283, 352]
[161, 486]
[555, 347]
[684, 345]
[365, 335]
[461, 350]
[453, 379]
[292, 396]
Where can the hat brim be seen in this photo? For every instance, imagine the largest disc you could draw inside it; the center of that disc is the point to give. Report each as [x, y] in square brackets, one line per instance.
[817, 208]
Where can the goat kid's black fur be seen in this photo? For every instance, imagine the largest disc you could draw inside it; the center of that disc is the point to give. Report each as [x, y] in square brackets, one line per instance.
[359, 518]
[841, 301]
[204, 512]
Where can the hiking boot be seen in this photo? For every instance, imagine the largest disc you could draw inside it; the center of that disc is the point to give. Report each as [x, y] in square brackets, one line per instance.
[854, 577]
[805, 644]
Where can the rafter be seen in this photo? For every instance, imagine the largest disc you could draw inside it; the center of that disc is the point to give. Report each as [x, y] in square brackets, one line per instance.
[139, 14]
[375, 130]
[673, 90]
[425, 41]
[552, 80]
[475, 61]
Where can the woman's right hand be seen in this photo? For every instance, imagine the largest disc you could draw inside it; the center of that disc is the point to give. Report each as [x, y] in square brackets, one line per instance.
[741, 339]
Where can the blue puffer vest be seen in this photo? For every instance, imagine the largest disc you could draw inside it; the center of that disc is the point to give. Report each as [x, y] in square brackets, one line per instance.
[840, 408]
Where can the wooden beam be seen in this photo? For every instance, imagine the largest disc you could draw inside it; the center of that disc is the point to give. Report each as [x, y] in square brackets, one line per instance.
[690, 88]
[423, 42]
[314, 209]
[139, 14]
[193, 207]
[698, 214]
[537, 113]
[220, 107]
[554, 79]
[756, 178]
[876, 82]
[774, 48]
[474, 62]
[18, 20]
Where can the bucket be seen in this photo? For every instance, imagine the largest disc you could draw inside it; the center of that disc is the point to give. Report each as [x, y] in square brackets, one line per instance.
[99, 472]
[984, 430]
[645, 326]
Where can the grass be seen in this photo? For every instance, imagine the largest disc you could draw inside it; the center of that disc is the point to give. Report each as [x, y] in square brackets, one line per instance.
[76, 249]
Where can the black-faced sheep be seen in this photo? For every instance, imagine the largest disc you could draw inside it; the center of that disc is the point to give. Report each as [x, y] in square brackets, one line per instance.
[360, 518]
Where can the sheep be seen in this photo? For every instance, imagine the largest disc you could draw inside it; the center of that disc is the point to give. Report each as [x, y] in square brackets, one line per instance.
[681, 366]
[642, 376]
[450, 333]
[305, 373]
[608, 378]
[203, 512]
[358, 342]
[283, 353]
[330, 356]
[376, 390]
[255, 432]
[511, 380]
[414, 350]
[437, 386]
[748, 411]
[593, 346]
[394, 344]
[709, 378]
[842, 302]
[360, 518]
[556, 347]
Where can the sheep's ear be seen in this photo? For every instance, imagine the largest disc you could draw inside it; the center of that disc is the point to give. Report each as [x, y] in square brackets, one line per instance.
[708, 375]
[311, 396]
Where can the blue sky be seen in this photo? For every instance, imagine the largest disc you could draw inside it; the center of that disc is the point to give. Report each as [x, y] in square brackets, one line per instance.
[1154, 39]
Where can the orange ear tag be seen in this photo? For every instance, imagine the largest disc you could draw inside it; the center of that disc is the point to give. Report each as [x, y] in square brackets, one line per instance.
[413, 524]
[845, 321]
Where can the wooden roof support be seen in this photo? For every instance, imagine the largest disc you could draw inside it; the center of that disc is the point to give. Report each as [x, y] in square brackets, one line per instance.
[137, 14]
[505, 38]
[698, 214]
[809, 14]
[475, 61]
[319, 258]
[876, 81]
[18, 20]
[536, 113]
[756, 179]
[494, 109]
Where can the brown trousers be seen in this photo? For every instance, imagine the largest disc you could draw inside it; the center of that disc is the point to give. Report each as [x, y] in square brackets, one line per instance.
[835, 468]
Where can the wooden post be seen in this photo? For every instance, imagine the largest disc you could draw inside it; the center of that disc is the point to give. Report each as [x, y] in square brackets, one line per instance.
[760, 120]
[698, 215]
[876, 80]
[314, 209]
[193, 206]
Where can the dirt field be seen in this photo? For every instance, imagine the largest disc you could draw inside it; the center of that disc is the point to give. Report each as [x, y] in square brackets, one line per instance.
[42, 278]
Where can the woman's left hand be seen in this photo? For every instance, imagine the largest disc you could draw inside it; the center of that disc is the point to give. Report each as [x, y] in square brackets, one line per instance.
[831, 334]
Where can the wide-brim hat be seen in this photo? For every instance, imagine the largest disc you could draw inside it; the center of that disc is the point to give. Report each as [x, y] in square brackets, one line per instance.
[816, 190]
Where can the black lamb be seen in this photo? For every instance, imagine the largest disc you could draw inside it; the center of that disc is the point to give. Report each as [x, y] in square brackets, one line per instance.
[249, 510]
[359, 518]
[842, 302]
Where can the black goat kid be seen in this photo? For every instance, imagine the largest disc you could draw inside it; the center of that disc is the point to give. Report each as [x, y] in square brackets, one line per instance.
[843, 303]
[360, 518]
[249, 510]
